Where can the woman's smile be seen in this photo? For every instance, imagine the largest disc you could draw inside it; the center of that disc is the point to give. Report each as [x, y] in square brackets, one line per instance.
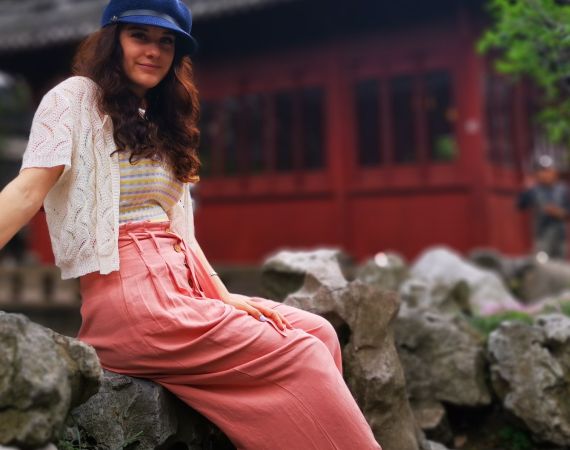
[148, 66]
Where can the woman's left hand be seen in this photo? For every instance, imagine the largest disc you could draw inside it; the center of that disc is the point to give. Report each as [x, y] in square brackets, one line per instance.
[256, 309]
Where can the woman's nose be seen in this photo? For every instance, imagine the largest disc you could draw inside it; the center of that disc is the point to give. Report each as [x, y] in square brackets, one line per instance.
[152, 49]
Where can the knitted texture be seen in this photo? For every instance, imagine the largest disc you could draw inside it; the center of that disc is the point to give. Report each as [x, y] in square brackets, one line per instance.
[82, 208]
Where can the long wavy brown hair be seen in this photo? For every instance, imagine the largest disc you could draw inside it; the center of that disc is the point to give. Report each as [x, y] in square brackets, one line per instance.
[169, 131]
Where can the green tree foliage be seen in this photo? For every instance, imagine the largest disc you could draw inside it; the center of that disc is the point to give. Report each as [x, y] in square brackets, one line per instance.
[532, 39]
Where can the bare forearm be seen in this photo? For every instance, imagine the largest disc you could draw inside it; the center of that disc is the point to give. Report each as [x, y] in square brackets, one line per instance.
[21, 199]
[17, 207]
[224, 293]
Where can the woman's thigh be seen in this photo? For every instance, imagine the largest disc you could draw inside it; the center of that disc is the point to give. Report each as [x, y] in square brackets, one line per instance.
[177, 334]
[311, 323]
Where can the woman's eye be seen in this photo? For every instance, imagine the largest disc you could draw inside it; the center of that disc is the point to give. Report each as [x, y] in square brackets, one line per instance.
[139, 35]
[168, 41]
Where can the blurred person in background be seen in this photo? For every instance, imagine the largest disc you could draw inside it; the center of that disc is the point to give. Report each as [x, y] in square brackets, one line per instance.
[549, 201]
[111, 155]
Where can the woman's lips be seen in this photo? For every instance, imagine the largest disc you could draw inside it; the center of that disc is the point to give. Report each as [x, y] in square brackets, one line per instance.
[148, 67]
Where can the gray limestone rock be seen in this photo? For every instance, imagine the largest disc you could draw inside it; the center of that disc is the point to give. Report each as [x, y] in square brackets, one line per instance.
[451, 298]
[530, 372]
[443, 357]
[530, 277]
[509, 268]
[544, 280]
[42, 376]
[436, 446]
[46, 447]
[288, 271]
[128, 409]
[387, 270]
[488, 294]
[432, 419]
[372, 368]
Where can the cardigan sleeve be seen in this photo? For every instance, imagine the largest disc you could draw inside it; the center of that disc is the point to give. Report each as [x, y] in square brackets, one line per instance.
[51, 136]
[182, 217]
[189, 210]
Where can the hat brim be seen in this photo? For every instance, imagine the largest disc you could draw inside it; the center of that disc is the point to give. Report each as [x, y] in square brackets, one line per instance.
[189, 44]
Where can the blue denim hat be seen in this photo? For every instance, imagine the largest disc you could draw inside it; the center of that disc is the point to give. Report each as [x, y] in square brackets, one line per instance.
[171, 14]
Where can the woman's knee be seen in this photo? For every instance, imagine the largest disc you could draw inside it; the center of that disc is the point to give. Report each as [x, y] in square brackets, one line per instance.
[325, 330]
[313, 324]
[328, 335]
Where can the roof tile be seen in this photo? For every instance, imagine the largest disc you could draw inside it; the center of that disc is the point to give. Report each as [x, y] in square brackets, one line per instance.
[38, 23]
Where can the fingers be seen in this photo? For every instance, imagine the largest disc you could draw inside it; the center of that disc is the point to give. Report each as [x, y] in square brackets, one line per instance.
[287, 322]
[245, 305]
[279, 320]
[255, 312]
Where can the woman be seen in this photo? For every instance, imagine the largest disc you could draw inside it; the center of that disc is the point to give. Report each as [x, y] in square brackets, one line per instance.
[111, 153]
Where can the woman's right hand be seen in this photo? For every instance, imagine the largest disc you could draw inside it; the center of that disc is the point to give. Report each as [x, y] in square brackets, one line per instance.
[21, 199]
[256, 309]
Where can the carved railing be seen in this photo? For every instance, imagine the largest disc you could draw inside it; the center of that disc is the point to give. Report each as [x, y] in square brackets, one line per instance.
[42, 286]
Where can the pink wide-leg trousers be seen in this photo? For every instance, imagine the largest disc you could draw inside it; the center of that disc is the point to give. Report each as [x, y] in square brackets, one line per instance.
[267, 389]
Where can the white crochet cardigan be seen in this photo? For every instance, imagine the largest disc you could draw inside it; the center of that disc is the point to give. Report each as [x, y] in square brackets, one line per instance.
[82, 208]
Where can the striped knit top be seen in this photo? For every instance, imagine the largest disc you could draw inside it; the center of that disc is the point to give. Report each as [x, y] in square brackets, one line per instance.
[148, 189]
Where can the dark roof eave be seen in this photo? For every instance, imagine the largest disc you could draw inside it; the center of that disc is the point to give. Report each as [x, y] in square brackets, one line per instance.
[22, 27]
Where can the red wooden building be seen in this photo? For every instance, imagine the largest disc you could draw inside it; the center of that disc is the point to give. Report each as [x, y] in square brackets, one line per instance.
[378, 127]
[365, 125]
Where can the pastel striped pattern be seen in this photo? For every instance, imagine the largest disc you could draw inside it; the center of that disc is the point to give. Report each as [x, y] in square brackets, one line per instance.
[148, 190]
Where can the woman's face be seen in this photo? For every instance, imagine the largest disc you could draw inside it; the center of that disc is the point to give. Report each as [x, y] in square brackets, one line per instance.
[148, 52]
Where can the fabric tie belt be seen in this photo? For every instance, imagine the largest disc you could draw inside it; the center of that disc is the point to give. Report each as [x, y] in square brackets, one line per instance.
[136, 235]
[198, 275]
